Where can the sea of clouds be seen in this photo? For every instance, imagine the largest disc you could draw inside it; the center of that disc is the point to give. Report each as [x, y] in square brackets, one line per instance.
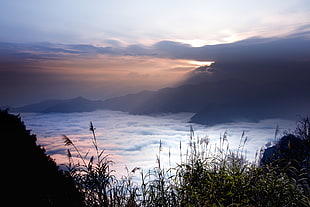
[133, 140]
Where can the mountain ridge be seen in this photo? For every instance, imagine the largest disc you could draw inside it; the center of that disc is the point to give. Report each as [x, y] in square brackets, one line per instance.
[212, 102]
[78, 104]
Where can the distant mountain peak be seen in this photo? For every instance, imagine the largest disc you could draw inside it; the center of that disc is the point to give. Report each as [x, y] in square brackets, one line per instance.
[78, 104]
[80, 98]
[212, 101]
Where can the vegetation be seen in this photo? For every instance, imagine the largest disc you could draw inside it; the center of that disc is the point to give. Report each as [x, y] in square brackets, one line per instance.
[29, 176]
[205, 176]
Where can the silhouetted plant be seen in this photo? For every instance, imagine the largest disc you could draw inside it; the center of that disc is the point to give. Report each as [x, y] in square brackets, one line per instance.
[303, 129]
[291, 156]
[205, 176]
[218, 177]
[93, 176]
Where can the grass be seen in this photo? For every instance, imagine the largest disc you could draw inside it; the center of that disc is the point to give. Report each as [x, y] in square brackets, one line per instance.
[204, 177]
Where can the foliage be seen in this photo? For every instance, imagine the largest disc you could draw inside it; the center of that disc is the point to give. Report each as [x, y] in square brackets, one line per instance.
[218, 177]
[30, 177]
[205, 176]
[92, 176]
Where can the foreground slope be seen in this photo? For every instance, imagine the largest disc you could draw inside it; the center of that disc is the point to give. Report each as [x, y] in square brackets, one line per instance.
[31, 177]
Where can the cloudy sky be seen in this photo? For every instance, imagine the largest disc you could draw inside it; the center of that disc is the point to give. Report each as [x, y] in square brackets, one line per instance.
[104, 22]
[100, 48]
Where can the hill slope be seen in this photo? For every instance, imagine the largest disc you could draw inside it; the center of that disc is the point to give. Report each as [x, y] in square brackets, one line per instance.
[32, 177]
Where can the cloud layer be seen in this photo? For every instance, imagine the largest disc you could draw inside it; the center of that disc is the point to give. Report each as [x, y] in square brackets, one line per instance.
[133, 141]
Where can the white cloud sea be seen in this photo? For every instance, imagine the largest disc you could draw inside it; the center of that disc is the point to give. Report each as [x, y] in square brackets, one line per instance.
[133, 140]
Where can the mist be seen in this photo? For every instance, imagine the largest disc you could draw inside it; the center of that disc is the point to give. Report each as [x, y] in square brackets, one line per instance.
[133, 140]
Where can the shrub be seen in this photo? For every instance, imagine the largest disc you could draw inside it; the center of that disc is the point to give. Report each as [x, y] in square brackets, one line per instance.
[92, 175]
[218, 177]
[291, 156]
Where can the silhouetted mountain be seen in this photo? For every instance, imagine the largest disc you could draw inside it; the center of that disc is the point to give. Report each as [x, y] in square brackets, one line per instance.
[185, 98]
[31, 177]
[219, 101]
[78, 104]
[250, 79]
[37, 107]
[212, 101]
[128, 103]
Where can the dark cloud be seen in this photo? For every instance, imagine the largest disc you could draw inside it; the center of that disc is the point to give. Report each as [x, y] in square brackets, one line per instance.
[85, 49]
[267, 50]
[256, 60]
[39, 51]
[253, 49]
[282, 64]
[113, 43]
[251, 79]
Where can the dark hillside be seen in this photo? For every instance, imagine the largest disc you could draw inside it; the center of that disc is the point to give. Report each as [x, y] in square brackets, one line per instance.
[31, 178]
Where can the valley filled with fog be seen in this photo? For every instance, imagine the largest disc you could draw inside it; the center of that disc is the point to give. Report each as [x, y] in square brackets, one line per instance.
[133, 140]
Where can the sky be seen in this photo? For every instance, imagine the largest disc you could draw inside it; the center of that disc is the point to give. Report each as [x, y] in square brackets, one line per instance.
[100, 49]
[147, 22]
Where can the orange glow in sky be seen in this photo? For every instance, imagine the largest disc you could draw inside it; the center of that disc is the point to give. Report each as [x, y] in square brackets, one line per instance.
[200, 63]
